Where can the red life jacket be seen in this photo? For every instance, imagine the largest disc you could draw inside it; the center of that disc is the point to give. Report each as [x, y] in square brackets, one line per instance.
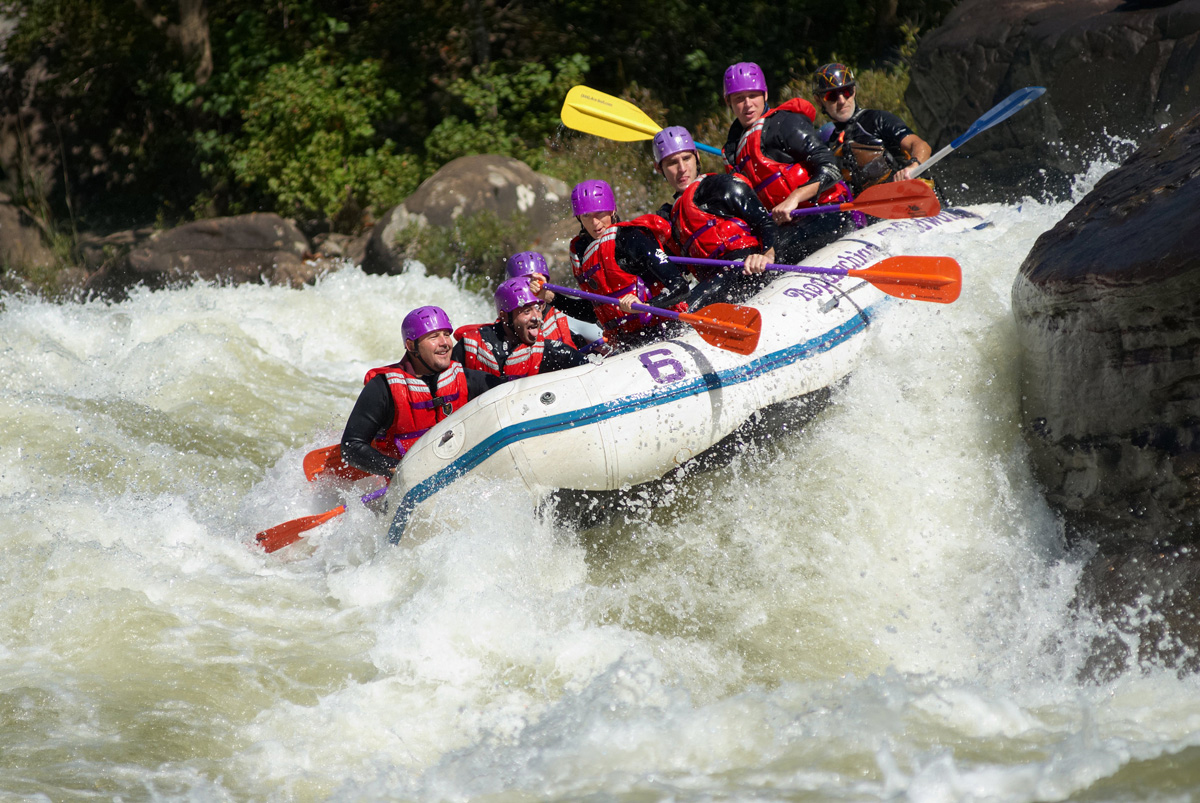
[773, 181]
[597, 270]
[704, 235]
[659, 226]
[416, 408]
[480, 354]
[555, 326]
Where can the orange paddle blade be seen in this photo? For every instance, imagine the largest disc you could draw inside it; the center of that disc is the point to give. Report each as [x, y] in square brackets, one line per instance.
[937, 279]
[289, 532]
[727, 326]
[897, 199]
[329, 461]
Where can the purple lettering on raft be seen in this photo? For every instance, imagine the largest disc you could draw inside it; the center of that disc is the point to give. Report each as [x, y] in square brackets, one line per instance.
[809, 291]
[852, 260]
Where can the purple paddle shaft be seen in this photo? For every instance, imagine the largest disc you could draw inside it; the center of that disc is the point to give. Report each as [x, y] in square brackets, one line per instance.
[816, 210]
[729, 263]
[599, 299]
[375, 494]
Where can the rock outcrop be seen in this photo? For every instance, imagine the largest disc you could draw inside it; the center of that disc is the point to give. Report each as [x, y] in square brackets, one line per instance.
[1108, 311]
[21, 242]
[246, 248]
[467, 186]
[1114, 70]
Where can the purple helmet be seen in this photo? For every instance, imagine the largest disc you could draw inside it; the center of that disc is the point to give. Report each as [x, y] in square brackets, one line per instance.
[512, 294]
[672, 140]
[422, 321]
[592, 196]
[745, 76]
[526, 263]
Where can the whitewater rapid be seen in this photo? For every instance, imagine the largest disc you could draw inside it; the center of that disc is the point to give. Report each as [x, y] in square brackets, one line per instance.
[875, 606]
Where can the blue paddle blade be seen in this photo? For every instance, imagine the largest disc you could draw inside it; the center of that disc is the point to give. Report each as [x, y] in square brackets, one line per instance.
[1001, 111]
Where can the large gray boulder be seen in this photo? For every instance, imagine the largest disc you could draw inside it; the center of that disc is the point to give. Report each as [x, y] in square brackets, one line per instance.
[1113, 70]
[246, 248]
[467, 186]
[1108, 311]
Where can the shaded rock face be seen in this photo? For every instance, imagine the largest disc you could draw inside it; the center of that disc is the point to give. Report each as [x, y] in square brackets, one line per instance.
[1108, 311]
[1148, 593]
[20, 239]
[1112, 68]
[468, 186]
[246, 248]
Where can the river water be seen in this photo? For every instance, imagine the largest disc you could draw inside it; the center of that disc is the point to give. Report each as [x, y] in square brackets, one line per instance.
[875, 606]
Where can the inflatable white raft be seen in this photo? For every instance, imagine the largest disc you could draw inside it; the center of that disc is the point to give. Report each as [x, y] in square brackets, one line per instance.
[638, 415]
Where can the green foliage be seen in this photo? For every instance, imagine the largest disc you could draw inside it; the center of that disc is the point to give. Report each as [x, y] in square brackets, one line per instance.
[309, 141]
[475, 246]
[628, 166]
[877, 88]
[511, 111]
[884, 89]
[300, 112]
[104, 98]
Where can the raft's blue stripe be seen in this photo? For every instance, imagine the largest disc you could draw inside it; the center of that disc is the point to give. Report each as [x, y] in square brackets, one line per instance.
[610, 409]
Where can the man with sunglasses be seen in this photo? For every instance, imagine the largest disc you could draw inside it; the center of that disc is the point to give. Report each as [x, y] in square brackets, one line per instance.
[778, 151]
[874, 146]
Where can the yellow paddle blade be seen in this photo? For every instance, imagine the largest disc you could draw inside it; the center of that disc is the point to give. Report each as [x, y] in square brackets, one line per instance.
[601, 115]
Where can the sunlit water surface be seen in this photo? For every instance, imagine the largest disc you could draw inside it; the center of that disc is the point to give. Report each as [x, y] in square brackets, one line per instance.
[877, 606]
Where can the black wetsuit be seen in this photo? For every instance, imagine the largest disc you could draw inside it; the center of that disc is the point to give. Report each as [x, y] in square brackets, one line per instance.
[374, 412]
[875, 129]
[789, 137]
[722, 194]
[556, 355]
[638, 254]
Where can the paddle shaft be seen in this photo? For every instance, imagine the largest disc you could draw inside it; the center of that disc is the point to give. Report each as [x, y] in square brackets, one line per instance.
[730, 263]
[924, 278]
[727, 326]
[375, 494]
[998, 113]
[818, 210]
[932, 160]
[365, 498]
[290, 532]
[600, 106]
[599, 299]
[649, 131]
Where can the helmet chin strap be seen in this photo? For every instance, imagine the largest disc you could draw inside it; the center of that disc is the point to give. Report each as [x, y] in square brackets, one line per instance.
[420, 367]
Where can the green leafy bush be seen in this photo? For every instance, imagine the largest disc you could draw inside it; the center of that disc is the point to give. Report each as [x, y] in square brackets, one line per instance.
[511, 110]
[309, 141]
[879, 87]
[298, 111]
[473, 249]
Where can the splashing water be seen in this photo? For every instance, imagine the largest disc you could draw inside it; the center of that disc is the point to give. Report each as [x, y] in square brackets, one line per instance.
[877, 605]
